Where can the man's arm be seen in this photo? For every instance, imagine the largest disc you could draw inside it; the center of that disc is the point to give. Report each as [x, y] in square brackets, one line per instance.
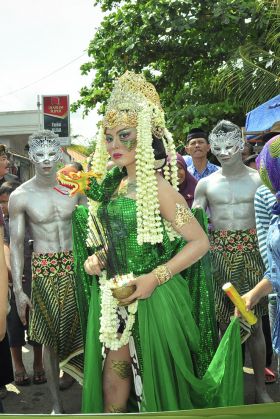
[17, 232]
[200, 196]
[262, 223]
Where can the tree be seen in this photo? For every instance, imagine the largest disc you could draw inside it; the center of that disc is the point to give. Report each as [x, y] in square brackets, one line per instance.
[179, 45]
[252, 76]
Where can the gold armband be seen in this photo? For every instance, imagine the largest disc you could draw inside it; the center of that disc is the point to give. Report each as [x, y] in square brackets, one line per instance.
[183, 216]
[162, 274]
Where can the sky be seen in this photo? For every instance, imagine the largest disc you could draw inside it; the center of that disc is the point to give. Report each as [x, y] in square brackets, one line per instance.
[37, 39]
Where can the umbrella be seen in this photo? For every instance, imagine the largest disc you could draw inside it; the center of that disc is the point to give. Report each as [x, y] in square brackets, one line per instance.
[264, 119]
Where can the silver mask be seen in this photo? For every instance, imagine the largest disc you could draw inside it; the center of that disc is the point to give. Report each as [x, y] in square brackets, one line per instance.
[45, 149]
[226, 143]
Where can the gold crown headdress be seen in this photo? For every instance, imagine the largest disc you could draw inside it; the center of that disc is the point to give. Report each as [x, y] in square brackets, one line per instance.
[131, 94]
[134, 102]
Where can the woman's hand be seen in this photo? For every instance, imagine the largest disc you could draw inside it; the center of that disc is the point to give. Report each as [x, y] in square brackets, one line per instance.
[92, 266]
[145, 285]
[251, 298]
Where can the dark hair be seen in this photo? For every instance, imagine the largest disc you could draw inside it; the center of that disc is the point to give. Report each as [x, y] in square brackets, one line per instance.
[159, 151]
[3, 149]
[250, 159]
[197, 133]
[250, 147]
[77, 165]
[9, 187]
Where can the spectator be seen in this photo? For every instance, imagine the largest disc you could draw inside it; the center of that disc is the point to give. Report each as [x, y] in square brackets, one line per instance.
[251, 161]
[247, 151]
[269, 168]
[264, 201]
[4, 166]
[187, 182]
[16, 330]
[6, 375]
[198, 147]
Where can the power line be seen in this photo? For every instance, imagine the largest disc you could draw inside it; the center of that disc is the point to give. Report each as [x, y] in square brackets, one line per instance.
[42, 78]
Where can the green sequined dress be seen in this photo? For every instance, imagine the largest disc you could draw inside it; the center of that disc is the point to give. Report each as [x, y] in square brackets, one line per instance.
[174, 340]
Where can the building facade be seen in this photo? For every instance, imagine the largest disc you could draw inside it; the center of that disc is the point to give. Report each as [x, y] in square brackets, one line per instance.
[15, 128]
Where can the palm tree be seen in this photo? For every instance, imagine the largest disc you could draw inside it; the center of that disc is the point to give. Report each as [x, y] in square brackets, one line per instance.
[253, 74]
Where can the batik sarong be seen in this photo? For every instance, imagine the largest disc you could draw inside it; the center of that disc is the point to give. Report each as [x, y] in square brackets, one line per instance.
[54, 319]
[236, 259]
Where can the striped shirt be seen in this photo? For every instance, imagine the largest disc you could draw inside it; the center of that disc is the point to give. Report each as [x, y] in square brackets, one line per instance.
[264, 200]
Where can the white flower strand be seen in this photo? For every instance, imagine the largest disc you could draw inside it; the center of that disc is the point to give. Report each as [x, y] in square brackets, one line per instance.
[171, 151]
[171, 174]
[101, 156]
[98, 165]
[109, 318]
[149, 227]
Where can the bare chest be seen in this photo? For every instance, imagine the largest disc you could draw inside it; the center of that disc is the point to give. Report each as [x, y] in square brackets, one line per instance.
[232, 191]
[48, 207]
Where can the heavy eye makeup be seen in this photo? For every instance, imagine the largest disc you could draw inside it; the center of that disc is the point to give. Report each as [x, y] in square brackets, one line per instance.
[109, 139]
[128, 138]
[127, 135]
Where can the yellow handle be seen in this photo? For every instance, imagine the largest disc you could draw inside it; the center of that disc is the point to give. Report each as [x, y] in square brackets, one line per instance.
[235, 297]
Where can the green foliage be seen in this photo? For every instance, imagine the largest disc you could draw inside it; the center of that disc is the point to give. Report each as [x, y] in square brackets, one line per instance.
[179, 45]
[253, 73]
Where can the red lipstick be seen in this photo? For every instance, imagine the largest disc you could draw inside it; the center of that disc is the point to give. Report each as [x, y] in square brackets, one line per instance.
[117, 156]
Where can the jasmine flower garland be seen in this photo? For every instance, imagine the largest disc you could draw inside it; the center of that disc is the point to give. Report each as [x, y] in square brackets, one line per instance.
[101, 156]
[109, 316]
[149, 226]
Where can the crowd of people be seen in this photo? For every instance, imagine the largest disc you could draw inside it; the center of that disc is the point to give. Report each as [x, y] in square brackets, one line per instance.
[117, 271]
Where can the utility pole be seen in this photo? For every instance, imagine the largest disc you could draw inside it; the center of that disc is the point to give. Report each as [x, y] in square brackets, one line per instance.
[39, 113]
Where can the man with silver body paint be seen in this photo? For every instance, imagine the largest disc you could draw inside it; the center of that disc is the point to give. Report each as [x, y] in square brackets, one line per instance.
[44, 205]
[229, 196]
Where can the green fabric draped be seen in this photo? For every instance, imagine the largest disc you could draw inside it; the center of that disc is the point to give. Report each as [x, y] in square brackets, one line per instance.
[80, 251]
[169, 381]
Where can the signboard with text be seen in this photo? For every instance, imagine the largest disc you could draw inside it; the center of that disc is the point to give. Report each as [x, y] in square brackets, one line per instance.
[56, 116]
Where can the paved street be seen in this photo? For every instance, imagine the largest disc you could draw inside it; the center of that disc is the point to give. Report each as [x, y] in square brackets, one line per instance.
[36, 398]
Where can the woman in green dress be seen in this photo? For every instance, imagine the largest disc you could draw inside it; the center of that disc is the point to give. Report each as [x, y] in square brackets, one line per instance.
[152, 351]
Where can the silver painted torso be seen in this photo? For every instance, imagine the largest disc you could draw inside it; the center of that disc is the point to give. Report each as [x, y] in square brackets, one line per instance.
[49, 216]
[229, 196]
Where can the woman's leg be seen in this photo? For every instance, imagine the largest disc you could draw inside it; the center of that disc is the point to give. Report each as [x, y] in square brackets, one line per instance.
[117, 377]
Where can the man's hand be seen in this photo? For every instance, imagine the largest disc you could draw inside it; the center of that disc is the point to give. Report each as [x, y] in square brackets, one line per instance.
[22, 302]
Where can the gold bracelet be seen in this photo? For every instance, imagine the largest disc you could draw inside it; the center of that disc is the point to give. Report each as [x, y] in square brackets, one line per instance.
[162, 274]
